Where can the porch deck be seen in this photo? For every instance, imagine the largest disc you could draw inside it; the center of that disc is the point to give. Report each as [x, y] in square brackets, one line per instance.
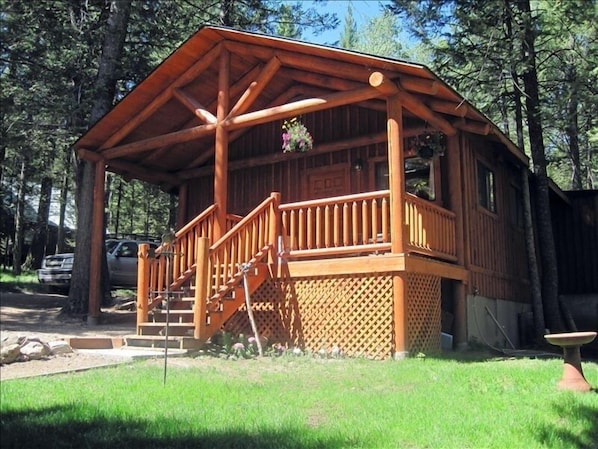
[317, 242]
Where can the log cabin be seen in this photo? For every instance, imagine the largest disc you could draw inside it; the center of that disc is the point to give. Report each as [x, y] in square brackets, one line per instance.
[401, 224]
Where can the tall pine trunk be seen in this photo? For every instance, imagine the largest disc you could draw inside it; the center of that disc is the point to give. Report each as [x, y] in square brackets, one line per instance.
[550, 281]
[64, 191]
[17, 255]
[572, 128]
[40, 238]
[530, 241]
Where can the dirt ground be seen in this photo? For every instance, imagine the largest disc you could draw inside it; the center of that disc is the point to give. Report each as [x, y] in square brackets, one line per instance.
[23, 314]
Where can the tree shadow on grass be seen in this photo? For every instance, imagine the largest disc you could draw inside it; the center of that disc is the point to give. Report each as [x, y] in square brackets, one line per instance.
[81, 427]
[567, 436]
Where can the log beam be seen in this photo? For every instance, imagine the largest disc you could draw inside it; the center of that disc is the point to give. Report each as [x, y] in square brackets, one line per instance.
[300, 107]
[194, 106]
[449, 107]
[184, 135]
[190, 74]
[473, 127]
[387, 87]
[255, 88]
[235, 90]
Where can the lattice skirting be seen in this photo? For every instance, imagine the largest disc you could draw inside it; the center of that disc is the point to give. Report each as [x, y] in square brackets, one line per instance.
[353, 313]
[423, 313]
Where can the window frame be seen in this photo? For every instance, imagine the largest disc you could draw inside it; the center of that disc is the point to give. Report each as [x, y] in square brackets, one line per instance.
[486, 188]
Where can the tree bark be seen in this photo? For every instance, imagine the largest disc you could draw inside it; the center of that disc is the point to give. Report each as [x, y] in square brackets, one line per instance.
[550, 281]
[17, 254]
[572, 129]
[64, 190]
[530, 241]
[40, 238]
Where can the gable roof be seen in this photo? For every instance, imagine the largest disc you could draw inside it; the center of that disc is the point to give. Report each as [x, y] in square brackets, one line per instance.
[173, 110]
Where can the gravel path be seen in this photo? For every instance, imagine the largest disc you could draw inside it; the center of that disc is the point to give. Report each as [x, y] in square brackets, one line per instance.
[38, 315]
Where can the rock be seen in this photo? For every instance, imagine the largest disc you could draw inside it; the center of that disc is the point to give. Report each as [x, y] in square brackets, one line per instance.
[35, 350]
[9, 353]
[58, 347]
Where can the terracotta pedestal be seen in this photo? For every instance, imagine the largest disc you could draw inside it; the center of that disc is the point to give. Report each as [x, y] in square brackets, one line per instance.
[573, 378]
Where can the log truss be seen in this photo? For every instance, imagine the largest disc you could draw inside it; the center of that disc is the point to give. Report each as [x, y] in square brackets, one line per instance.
[173, 114]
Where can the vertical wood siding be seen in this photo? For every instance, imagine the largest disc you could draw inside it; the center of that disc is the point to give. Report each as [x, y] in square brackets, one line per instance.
[497, 255]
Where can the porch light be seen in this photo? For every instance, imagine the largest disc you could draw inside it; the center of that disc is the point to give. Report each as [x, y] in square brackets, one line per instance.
[358, 165]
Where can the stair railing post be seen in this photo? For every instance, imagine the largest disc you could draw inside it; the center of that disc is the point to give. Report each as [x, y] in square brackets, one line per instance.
[274, 226]
[201, 286]
[143, 270]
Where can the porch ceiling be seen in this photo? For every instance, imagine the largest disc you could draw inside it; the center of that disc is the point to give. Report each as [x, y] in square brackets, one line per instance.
[167, 123]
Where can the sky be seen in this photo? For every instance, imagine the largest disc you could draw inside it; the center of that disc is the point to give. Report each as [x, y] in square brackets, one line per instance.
[363, 11]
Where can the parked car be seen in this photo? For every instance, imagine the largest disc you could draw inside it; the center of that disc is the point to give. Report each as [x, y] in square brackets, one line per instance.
[121, 256]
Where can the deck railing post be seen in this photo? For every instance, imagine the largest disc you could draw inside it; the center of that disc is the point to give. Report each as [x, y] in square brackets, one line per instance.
[201, 286]
[274, 229]
[143, 281]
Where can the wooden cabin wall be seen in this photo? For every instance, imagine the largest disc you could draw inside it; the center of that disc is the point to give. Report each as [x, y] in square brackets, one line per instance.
[575, 226]
[286, 173]
[497, 254]
[200, 196]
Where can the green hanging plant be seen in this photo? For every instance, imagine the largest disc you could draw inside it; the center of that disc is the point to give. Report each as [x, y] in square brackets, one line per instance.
[428, 145]
[296, 137]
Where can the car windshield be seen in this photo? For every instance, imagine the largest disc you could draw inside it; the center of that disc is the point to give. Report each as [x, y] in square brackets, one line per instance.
[110, 245]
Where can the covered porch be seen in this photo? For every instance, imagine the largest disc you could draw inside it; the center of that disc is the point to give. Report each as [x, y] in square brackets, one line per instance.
[206, 125]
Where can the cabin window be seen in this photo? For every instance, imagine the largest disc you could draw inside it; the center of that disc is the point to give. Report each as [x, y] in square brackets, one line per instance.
[419, 177]
[381, 176]
[486, 188]
[516, 206]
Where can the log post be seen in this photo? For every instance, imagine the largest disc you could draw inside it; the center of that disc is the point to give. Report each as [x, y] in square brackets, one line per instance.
[456, 204]
[143, 271]
[97, 243]
[274, 229]
[221, 147]
[201, 286]
[397, 213]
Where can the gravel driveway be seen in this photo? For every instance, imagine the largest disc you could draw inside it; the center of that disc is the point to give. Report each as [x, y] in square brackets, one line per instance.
[25, 314]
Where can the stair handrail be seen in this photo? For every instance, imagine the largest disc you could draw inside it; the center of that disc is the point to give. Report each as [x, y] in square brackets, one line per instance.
[183, 264]
[250, 240]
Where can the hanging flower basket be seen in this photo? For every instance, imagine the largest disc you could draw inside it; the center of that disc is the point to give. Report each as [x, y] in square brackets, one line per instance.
[428, 145]
[296, 137]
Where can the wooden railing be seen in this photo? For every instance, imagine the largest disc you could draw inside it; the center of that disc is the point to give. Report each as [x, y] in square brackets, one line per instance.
[337, 225]
[249, 241]
[361, 224]
[430, 228]
[182, 265]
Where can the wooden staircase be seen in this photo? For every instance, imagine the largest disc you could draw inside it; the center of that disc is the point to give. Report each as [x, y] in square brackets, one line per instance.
[193, 317]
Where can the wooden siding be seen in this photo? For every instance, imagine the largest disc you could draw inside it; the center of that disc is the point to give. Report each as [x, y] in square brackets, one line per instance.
[497, 256]
[576, 237]
[255, 179]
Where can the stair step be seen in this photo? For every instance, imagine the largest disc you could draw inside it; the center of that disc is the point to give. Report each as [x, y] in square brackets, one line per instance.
[159, 329]
[157, 341]
[176, 316]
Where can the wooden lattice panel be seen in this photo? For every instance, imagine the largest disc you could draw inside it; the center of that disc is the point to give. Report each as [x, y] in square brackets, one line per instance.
[353, 313]
[423, 313]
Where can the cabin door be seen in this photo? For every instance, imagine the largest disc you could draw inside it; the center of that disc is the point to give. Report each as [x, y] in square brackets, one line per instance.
[324, 183]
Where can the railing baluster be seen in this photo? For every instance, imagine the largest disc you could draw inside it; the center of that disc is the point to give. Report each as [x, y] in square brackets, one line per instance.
[364, 220]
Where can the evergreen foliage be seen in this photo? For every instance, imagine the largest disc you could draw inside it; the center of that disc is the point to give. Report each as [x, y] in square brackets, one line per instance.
[50, 57]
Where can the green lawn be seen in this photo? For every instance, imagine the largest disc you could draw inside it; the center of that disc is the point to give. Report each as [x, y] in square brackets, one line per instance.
[302, 402]
[24, 283]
